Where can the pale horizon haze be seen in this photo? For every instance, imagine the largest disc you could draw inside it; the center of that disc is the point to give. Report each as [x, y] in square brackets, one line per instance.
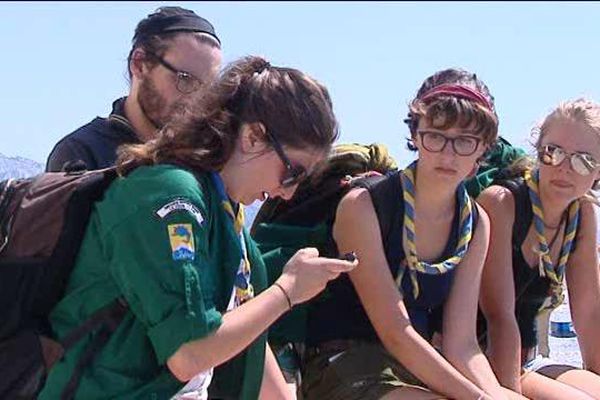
[64, 63]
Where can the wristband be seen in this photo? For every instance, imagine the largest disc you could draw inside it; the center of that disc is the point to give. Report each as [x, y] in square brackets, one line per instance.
[287, 297]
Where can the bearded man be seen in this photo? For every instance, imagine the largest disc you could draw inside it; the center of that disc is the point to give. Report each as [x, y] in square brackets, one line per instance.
[174, 53]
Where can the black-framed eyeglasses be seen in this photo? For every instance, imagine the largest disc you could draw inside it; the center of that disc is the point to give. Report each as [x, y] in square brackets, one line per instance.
[294, 174]
[462, 145]
[186, 82]
[553, 155]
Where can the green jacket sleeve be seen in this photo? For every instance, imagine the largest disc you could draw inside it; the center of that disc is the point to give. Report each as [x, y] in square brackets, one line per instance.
[161, 264]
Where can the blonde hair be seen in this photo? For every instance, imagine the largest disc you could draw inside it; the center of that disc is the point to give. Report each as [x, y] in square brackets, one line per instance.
[582, 110]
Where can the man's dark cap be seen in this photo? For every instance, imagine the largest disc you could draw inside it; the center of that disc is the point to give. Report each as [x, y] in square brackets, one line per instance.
[179, 23]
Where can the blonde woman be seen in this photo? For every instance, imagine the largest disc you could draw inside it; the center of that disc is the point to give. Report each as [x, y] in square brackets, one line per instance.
[543, 230]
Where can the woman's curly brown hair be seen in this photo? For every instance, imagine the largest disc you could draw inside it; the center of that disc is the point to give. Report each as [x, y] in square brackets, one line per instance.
[446, 111]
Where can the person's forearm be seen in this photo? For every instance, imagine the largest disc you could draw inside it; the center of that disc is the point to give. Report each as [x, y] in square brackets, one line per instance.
[422, 360]
[239, 328]
[588, 342]
[504, 349]
[474, 366]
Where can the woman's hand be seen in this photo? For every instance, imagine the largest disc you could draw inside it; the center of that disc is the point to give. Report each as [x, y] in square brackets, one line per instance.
[303, 277]
[306, 274]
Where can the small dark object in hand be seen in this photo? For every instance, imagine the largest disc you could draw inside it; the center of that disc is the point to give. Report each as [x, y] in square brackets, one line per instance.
[348, 257]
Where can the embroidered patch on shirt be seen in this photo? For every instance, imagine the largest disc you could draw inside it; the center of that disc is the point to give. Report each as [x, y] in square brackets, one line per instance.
[181, 237]
[180, 204]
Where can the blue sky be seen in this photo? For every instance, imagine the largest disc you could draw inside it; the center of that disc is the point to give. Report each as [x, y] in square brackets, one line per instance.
[64, 63]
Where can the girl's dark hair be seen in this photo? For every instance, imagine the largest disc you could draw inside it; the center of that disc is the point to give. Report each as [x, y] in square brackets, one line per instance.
[447, 111]
[293, 107]
[148, 35]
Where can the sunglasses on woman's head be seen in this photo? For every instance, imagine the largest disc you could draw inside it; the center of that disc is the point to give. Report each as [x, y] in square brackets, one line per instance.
[553, 155]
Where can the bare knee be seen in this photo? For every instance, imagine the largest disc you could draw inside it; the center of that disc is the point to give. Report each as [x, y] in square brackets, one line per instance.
[412, 393]
[538, 387]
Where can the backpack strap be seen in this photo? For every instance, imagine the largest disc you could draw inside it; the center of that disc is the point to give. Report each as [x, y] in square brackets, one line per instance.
[386, 195]
[111, 315]
[106, 320]
[6, 189]
[524, 214]
[12, 192]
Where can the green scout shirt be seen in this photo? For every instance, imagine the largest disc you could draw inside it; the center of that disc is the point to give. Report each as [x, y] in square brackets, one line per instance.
[177, 287]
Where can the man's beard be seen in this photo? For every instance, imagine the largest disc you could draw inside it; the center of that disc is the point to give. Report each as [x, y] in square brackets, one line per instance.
[152, 104]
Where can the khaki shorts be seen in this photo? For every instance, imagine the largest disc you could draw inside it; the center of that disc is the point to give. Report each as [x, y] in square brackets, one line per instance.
[364, 371]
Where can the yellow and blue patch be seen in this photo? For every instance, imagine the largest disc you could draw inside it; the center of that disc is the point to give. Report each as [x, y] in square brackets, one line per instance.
[181, 237]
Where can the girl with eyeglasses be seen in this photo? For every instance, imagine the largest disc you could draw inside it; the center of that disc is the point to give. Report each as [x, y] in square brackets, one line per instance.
[376, 333]
[543, 236]
[169, 239]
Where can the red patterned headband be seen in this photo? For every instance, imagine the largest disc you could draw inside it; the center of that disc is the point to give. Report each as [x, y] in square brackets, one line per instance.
[461, 91]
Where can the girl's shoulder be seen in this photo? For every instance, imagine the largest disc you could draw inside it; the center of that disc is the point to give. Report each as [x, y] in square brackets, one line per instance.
[154, 190]
[500, 205]
[383, 194]
[164, 180]
[588, 217]
[497, 200]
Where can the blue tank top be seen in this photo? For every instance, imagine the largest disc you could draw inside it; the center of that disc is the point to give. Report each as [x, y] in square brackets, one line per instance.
[339, 314]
